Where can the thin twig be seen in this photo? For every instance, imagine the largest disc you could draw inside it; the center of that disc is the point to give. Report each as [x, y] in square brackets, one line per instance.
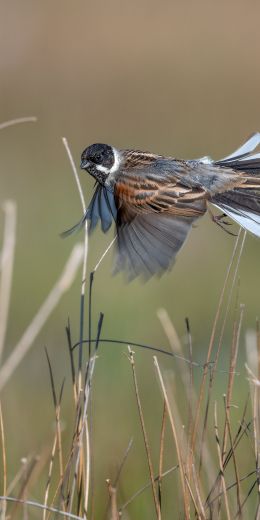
[175, 436]
[87, 468]
[74, 169]
[47, 490]
[161, 452]
[113, 501]
[83, 417]
[197, 511]
[220, 341]
[198, 492]
[209, 353]
[104, 254]
[146, 486]
[256, 434]
[3, 506]
[122, 463]
[191, 391]
[84, 268]
[146, 442]
[257, 414]
[26, 476]
[72, 364]
[238, 487]
[246, 498]
[222, 476]
[57, 403]
[41, 506]
[17, 121]
[119, 471]
[19, 476]
[62, 285]
[242, 430]
[233, 360]
[185, 372]
[7, 261]
[91, 281]
[229, 301]
[230, 486]
[154, 349]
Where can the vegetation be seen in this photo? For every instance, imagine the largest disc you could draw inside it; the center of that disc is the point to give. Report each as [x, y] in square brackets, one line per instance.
[211, 440]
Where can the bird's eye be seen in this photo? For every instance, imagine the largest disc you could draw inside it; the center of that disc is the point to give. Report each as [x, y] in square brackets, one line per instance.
[98, 158]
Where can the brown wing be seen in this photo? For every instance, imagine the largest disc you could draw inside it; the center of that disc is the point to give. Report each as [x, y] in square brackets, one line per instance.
[155, 214]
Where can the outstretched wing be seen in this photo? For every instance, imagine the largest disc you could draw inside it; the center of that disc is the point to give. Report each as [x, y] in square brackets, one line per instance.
[102, 207]
[154, 217]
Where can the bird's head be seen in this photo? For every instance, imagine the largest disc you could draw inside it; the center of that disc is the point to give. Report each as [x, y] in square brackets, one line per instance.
[100, 160]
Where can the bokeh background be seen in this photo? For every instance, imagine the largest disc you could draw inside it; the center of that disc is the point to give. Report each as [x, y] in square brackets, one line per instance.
[174, 77]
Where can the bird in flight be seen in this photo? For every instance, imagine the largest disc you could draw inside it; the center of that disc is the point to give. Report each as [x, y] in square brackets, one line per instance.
[155, 200]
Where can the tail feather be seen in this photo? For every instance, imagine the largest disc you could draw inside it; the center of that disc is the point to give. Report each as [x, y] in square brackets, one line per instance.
[243, 159]
[245, 150]
[242, 207]
[249, 165]
[242, 204]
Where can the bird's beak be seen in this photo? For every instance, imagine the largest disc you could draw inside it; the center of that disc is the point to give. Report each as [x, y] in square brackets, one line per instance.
[84, 164]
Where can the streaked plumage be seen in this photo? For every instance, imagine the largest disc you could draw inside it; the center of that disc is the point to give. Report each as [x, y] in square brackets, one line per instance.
[154, 200]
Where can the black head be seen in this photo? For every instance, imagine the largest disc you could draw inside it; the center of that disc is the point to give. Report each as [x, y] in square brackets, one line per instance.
[98, 158]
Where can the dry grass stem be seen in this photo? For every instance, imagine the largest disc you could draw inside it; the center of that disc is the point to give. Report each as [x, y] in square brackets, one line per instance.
[3, 504]
[28, 467]
[256, 424]
[74, 169]
[17, 121]
[222, 475]
[251, 365]
[62, 285]
[238, 487]
[233, 361]
[198, 515]
[192, 397]
[114, 514]
[118, 473]
[87, 467]
[18, 477]
[176, 440]
[185, 370]
[229, 487]
[57, 407]
[7, 261]
[146, 486]
[147, 447]
[220, 342]
[198, 492]
[72, 364]
[31, 503]
[161, 452]
[104, 254]
[77, 449]
[46, 496]
[84, 269]
[209, 353]
[169, 330]
[231, 291]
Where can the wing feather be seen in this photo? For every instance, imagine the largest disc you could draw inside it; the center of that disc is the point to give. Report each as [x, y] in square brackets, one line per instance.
[149, 244]
[155, 215]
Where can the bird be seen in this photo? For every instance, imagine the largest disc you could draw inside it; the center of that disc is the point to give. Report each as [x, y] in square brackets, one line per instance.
[155, 200]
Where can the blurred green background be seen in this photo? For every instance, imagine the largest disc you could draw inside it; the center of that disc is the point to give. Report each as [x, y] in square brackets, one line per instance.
[174, 77]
